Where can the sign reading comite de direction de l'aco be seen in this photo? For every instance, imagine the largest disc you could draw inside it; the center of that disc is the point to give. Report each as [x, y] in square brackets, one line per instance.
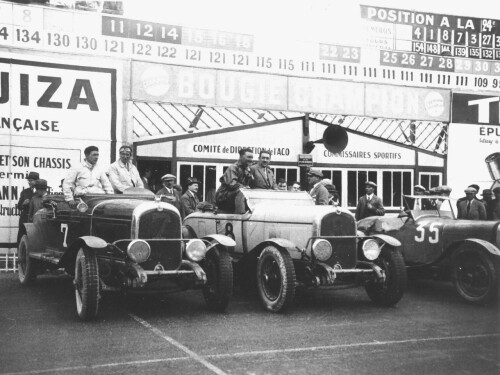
[173, 84]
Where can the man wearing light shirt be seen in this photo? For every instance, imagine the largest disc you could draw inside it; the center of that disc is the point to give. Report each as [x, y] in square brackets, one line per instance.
[86, 178]
[318, 191]
[369, 204]
[122, 173]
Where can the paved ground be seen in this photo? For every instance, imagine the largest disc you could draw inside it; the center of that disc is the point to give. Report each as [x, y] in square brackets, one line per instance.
[326, 332]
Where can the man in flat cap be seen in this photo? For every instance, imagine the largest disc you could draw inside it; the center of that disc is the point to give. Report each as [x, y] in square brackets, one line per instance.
[86, 178]
[24, 202]
[190, 199]
[474, 186]
[318, 191]
[489, 203]
[122, 173]
[172, 194]
[471, 208]
[369, 204]
[228, 196]
[36, 202]
[496, 207]
[263, 177]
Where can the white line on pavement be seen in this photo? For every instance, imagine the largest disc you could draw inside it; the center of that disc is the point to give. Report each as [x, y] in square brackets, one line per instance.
[189, 352]
[244, 354]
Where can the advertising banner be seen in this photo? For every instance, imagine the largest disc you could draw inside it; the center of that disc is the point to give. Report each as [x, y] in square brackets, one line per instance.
[49, 112]
[474, 140]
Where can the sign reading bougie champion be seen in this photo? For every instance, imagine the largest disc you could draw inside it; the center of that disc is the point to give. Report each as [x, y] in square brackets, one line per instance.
[48, 114]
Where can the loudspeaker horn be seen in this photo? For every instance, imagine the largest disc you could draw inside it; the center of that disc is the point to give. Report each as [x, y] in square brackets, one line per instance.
[335, 138]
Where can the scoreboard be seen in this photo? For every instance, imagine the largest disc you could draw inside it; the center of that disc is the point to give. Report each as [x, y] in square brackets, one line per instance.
[434, 41]
[398, 46]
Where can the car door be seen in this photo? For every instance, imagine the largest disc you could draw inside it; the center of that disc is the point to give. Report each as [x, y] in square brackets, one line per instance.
[421, 239]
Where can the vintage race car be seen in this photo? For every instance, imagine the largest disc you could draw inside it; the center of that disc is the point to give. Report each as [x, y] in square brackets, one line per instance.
[284, 241]
[129, 242]
[435, 243]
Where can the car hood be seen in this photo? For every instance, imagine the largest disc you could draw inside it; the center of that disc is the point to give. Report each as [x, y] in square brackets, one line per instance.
[293, 214]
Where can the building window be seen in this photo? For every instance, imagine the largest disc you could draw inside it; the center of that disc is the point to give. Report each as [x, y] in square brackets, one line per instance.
[289, 174]
[429, 180]
[396, 183]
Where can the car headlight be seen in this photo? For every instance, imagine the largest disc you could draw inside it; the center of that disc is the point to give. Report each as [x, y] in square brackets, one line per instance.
[322, 249]
[139, 251]
[196, 250]
[371, 249]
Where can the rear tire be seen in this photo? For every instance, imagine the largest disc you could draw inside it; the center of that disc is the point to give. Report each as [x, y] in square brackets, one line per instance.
[475, 274]
[276, 279]
[392, 289]
[27, 268]
[86, 284]
[219, 287]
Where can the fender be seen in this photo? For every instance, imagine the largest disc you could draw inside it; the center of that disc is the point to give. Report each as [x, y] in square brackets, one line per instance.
[37, 238]
[279, 242]
[387, 239]
[220, 238]
[92, 242]
[487, 246]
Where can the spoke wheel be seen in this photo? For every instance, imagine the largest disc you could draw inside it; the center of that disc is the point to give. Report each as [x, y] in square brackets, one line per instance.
[219, 287]
[27, 268]
[475, 275]
[86, 284]
[392, 289]
[276, 279]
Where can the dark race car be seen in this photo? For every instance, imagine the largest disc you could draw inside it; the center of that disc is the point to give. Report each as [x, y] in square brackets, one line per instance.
[284, 240]
[128, 242]
[435, 243]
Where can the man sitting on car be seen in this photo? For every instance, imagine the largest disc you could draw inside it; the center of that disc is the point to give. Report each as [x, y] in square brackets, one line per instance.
[228, 195]
[122, 173]
[263, 177]
[86, 178]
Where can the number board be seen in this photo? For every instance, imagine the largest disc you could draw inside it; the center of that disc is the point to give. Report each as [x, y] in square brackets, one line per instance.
[439, 34]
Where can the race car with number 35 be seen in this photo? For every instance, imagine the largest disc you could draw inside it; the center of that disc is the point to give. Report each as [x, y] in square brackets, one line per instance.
[436, 244]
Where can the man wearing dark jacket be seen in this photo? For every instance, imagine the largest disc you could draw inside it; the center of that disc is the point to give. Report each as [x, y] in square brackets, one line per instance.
[318, 191]
[470, 208]
[24, 202]
[172, 194]
[190, 199]
[369, 204]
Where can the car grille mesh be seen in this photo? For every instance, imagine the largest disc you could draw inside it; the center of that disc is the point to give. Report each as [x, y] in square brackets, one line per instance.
[344, 249]
[158, 225]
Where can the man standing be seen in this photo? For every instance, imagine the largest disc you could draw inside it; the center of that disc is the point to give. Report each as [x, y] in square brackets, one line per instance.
[172, 194]
[318, 191]
[263, 177]
[86, 178]
[471, 208]
[37, 199]
[369, 204]
[146, 178]
[489, 203]
[122, 173]
[228, 196]
[190, 198]
[24, 202]
[496, 204]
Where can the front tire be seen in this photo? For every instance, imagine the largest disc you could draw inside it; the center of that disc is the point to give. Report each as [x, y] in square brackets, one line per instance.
[276, 279]
[219, 287]
[475, 275]
[86, 284]
[392, 289]
[27, 268]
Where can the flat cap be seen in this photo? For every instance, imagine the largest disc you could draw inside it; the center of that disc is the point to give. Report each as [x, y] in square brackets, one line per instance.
[33, 176]
[315, 172]
[41, 184]
[474, 186]
[445, 189]
[371, 183]
[192, 180]
[419, 187]
[169, 176]
[470, 190]
[487, 192]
